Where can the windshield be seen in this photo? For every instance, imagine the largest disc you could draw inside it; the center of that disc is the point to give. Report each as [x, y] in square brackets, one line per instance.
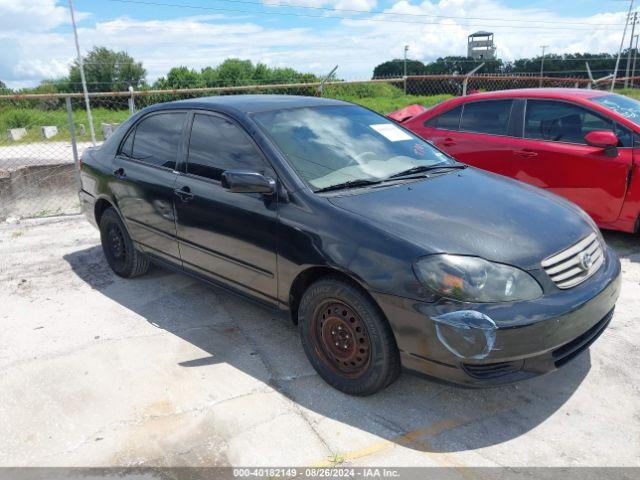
[332, 145]
[625, 106]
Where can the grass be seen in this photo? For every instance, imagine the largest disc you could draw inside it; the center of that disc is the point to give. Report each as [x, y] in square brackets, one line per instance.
[384, 98]
[387, 105]
[32, 119]
[629, 92]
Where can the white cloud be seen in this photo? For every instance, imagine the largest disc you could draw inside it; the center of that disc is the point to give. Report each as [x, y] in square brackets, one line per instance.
[356, 46]
[31, 15]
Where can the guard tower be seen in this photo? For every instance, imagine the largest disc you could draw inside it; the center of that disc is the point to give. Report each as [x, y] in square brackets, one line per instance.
[480, 46]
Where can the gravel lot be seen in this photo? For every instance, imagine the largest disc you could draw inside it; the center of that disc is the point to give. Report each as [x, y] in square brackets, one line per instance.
[162, 370]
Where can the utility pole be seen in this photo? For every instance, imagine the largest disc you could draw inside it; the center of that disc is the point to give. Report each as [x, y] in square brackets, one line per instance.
[633, 30]
[635, 55]
[624, 34]
[406, 49]
[82, 77]
[543, 47]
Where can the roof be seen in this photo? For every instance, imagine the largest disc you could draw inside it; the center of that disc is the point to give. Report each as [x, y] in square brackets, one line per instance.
[481, 33]
[257, 103]
[540, 92]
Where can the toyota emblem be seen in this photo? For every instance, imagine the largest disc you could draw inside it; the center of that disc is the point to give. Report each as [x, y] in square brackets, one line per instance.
[585, 261]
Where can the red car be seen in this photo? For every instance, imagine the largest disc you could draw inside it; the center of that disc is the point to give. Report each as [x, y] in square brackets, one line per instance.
[579, 144]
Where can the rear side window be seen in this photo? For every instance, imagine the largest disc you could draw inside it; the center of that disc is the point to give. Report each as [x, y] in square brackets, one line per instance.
[449, 120]
[217, 145]
[563, 122]
[491, 117]
[157, 138]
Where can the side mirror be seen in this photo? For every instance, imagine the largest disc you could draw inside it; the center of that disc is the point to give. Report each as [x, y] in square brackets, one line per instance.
[602, 139]
[246, 181]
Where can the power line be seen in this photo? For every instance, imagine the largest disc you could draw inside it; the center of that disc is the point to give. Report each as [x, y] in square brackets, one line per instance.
[371, 12]
[355, 19]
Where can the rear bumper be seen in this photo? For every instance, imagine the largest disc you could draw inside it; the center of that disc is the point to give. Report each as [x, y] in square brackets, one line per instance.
[495, 344]
[87, 206]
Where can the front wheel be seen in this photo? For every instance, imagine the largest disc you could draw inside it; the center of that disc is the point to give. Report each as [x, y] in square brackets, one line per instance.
[118, 248]
[346, 338]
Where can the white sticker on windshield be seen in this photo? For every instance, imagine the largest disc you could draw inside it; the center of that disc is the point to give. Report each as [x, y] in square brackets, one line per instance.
[391, 132]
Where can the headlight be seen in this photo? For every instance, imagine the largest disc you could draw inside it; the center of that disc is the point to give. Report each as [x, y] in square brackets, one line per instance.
[473, 279]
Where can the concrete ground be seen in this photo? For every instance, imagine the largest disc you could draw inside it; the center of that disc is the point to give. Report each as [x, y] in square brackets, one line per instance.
[162, 370]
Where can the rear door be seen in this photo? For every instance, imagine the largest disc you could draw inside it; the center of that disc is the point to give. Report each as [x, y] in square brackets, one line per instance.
[228, 237]
[476, 133]
[143, 180]
[554, 155]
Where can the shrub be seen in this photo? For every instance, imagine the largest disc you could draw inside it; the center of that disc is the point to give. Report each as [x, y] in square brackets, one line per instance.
[362, 90]
[18, 118]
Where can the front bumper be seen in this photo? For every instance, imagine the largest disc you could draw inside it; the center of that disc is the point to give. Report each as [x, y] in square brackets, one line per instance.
[495, 344]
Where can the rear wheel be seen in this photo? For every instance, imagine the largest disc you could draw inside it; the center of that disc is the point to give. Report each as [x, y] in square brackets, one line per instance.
[346, 338]
[118, 248]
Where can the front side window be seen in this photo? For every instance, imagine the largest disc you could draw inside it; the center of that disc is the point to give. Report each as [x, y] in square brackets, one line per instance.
[217, 145]
[447, 121]
[157, 138]
[561, 122]
[490, 117]
[330, 145]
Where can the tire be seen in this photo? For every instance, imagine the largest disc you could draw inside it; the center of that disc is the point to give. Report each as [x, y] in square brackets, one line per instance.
[346, 338]
[121, 255]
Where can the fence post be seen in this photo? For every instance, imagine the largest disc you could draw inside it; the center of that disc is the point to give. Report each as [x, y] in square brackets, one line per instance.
[74, 146]
[465, 82]
[325, 79]
[132, 103]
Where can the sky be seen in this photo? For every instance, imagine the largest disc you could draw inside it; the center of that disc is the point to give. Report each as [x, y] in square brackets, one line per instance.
[36, 40]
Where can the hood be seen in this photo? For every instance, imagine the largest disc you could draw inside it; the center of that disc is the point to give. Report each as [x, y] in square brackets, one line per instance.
[407, 113]
[473, 212]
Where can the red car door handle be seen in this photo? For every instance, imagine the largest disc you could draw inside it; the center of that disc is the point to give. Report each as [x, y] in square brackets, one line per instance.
[448, 142]
[526, 153]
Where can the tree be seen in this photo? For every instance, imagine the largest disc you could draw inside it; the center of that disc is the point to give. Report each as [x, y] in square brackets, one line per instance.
[234, 71]
[107, 70]
[3, 88]
[461, 65]
[395, 68]
[180, 77]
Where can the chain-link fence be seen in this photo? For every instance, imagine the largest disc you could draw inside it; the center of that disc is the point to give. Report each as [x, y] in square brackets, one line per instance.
[39, 133]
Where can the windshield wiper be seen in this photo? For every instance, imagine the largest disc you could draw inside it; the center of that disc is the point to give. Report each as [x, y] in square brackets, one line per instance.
[428, 168]
[349, 184]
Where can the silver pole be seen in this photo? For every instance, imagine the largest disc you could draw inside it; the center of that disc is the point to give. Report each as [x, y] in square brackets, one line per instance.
[82, 77]
[465, 82]
[542, 63]
[633, 31]
[132, 102]
[406, 48]
[74, 146]
[633, 66]
[624, 34]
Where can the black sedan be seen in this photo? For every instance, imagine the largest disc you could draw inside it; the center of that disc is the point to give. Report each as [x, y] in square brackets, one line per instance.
[384, 250]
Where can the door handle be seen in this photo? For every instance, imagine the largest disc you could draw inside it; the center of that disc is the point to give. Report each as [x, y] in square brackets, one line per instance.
[449, 142]
[120, 173]
[526, 153]
[184, 194]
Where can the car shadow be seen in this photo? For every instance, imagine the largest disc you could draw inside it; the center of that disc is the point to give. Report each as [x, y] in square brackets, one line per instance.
[415, 412]
[626, 245]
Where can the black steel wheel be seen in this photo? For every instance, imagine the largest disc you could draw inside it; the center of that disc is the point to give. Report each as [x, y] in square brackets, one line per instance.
[118, 248]
[346, 337]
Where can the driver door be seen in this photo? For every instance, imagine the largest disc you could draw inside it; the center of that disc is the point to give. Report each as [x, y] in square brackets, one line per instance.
[227, 237]
[554, 155]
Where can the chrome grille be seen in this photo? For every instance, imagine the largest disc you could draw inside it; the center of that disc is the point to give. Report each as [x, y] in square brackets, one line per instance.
[575, 264]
